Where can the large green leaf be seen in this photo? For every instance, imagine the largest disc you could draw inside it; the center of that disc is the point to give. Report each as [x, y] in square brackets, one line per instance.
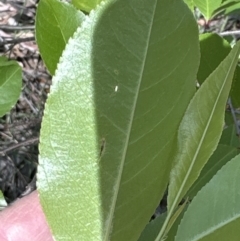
[10, 84]
[55, 23]
[86, 5]
[220, 157]
[200, 130]
[213, 50]
[214, 213]
[207, 7]
[109, 129]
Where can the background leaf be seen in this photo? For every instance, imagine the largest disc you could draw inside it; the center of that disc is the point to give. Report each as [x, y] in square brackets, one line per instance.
[53, 30]
[10, 84]
[214, 213]
[213, 51]
[110, 121]
[229, 137]
[232, 8]
[173, 231]
[201, 128]
[86, 5]
[152, 229]
[190, 4]
[207, 7]
[228, 118]
[220, 157]
[225, 7]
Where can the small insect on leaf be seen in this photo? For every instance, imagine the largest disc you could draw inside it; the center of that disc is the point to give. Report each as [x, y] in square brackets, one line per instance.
[102, 148]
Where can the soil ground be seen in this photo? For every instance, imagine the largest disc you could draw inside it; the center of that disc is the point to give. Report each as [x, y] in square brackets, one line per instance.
[19, 129]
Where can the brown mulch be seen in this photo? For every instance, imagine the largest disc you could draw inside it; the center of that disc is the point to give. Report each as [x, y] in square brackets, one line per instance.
[19, 129]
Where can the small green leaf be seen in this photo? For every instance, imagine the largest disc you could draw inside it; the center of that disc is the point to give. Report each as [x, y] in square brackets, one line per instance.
[55, 23]
[220, 157]
[110, 122]
[10, 84]
[213, 50]
[201, 127]
[214, 213]
[207, 7]
[86, 5]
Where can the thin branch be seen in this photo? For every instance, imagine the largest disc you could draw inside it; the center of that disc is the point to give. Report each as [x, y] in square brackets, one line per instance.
[227, 33]
[234, 116]
[16, 40]
[24, 143]
[16, 28]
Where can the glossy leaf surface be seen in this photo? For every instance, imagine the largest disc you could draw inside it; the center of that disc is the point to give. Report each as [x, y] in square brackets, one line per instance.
[214, 213]
[110, 121]
[55, 23]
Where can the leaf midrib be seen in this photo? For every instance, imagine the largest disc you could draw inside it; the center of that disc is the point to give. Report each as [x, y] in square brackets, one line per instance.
[119, 177]
[59, 25]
